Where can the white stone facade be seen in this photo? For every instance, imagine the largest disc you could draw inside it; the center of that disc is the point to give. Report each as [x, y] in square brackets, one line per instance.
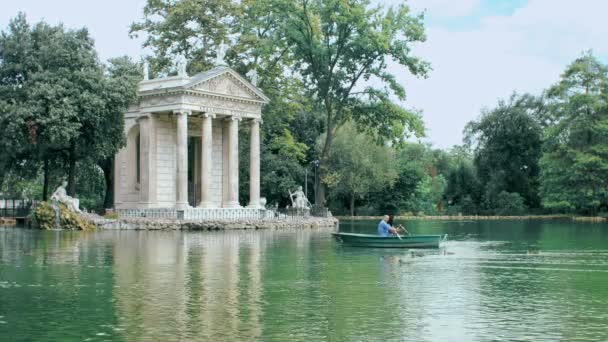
[182, 143]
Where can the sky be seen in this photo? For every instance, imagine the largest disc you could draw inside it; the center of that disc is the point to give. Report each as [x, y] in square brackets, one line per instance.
[480, 50]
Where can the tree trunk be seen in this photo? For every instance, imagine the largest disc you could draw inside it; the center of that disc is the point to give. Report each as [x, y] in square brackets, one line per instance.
[45, 186]
[72, 171]
[323, 163]
[352, 205]
[107, 165]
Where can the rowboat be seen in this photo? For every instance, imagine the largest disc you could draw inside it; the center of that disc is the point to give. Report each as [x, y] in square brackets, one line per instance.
[393, 241]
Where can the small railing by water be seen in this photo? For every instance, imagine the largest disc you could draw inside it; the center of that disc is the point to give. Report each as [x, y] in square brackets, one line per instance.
[16, 208]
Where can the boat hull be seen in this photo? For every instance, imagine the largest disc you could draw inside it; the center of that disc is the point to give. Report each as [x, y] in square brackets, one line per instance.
[376, 241]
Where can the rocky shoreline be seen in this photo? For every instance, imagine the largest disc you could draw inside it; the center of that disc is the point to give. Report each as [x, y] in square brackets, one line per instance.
[166, 224]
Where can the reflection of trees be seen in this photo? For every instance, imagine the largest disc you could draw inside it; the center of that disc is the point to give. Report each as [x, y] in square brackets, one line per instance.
[55, 285]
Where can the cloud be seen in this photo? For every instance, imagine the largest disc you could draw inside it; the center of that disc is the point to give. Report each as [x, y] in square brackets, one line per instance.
[525, 51]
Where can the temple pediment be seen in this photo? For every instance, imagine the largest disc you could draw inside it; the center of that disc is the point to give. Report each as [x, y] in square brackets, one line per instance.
[225, 81]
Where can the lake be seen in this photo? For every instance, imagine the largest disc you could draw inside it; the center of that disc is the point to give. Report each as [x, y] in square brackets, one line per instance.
[492, 281]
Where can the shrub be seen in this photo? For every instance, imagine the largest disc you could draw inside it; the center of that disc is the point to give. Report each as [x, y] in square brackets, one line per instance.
[46, 219]
[510, 203]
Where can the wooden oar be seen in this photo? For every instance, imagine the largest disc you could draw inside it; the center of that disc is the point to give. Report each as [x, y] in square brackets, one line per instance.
[405, 230]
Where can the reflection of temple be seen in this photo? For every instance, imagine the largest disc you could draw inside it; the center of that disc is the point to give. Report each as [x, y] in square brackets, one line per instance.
[209, 285]
[182, 142]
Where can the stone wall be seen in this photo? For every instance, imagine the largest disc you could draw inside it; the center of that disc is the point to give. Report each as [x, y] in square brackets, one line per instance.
[167, 224]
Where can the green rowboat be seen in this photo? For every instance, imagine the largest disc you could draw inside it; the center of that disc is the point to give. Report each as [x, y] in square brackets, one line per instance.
[406, 241]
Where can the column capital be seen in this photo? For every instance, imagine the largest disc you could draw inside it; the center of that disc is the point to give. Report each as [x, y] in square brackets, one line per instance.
[182, 111]
[143, 116]
[233, 118]
[256, 120]
[208, 115]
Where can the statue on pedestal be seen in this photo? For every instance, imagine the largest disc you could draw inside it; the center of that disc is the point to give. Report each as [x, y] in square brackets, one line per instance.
[300, 201]
[220, 54]
[253, 77]
[146, 71]
[182, 63]
[61, 195]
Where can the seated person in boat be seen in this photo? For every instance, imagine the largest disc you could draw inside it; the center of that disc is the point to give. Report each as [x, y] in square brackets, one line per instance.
[384, 229]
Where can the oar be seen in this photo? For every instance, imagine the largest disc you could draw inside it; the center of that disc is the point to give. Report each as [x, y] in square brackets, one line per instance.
[399, 236]
[402, 227]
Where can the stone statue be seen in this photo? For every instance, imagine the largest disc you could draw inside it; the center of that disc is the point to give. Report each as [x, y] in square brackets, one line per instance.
[300, 201]
[61, 195]
[182, 63]
[146, 71]
[220, 54]
[253, 77]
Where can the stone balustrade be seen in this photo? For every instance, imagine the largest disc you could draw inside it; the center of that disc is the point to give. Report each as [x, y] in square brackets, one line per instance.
[202, 214]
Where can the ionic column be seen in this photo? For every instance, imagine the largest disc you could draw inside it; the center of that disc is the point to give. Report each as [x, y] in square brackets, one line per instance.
[233, 162]
[254, 164]
[206, 163]
[145, 159]
[181, 200]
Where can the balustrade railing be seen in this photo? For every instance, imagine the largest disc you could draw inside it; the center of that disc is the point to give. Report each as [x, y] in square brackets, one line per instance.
[18, 208]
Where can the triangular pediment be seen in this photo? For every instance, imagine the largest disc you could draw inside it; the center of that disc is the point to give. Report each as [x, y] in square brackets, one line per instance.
[226, 82]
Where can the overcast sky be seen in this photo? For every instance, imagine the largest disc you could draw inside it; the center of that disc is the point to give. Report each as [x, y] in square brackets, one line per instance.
[480, 50]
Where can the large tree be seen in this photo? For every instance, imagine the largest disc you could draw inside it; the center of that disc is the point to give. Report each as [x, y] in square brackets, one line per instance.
[507, 144]
[360, 166]
[574, 165]
[119, 91]
[56, 104]
[342, 50]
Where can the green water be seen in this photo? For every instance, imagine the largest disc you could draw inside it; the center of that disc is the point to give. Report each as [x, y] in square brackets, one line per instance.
[493, 281]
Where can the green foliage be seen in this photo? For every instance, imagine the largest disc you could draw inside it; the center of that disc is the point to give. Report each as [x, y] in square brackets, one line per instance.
[191, 27]
[575, 152]
[45, 217]
[58, 106]
[509, 203]
[359, 165]
[507, 144]
[463, 190]
[338, 45]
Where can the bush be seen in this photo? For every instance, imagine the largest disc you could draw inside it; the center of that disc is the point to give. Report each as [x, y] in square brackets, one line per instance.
[510, 203]
[45, 218]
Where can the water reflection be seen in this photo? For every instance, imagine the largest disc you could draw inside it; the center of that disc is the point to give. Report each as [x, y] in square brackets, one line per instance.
[485, 284]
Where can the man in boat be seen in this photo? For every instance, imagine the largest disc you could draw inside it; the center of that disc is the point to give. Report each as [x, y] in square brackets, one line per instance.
[384, 229]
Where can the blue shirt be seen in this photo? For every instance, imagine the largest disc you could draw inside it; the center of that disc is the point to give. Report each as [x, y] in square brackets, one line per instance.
[383, 228]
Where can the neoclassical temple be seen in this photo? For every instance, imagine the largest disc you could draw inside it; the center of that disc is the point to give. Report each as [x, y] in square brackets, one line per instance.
[182, 146]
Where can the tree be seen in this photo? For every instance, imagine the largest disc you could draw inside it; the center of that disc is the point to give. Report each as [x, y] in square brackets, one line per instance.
[360, 166]
[194, 28]
[509, 203]
[574, 163]
[463, 188]
[120, 90]
[337, 47]
[56, 104]
[507, 144]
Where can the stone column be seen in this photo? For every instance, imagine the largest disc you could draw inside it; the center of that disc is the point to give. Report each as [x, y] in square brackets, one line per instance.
[254, 164]
[206, 162]
[233, 162]
[181, 201]
[145, 160]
